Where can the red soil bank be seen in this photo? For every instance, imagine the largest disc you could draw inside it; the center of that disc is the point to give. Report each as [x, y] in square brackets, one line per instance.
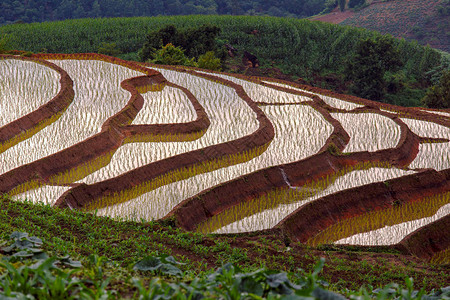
[86, 195]
[312, 218]
[428, 240]
[14, 132]
[197, 209]
[113, 133]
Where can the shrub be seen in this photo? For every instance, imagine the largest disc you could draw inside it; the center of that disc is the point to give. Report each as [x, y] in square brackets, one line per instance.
[4, 43]
[439, 95]
[209, 61]
[171, 55]
[109, 49]
[356, 3]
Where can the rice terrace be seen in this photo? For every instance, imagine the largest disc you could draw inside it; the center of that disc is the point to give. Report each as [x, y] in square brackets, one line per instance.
[224, 153]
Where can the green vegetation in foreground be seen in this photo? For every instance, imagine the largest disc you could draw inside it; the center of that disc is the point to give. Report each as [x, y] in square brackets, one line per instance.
[108, 251]
[316, 52]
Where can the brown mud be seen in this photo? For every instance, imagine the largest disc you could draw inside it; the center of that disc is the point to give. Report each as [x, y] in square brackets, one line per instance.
[298, 226]
[138, 181]
[26, 126]
[114, 132]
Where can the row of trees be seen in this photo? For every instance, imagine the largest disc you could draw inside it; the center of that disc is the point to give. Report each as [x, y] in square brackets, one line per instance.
[310, 50]
[193, 46]
[195, 41]
[49, 10]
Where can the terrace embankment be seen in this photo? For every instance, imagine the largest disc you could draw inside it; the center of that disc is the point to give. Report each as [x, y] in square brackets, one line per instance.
[144, 179]
[26, 126]
[65, 167]
[328, 162]
[314, 217]
[59, 167]
[170, 132]
[431, 239]
[196, 210]
[414, 112]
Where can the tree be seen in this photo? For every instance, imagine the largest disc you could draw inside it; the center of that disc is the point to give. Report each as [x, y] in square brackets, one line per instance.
[171, 55]
[209, 61]
[356, 3]
[342, 5]
[195, 41]
[372, 59]
[109, 49]
[5, 43]
[438, 96]
[157, 39]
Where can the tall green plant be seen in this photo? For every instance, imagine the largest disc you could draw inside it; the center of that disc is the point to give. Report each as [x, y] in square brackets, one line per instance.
[373, 58]
[342, 4]
[5, 43]
[439, 95]
[171, 55]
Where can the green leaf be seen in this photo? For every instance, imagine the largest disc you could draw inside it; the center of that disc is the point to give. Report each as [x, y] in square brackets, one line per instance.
[169, 270]
[249, 285]
[67, 261]
[17, 235]
[275, 280]
[35, 240]
[42, 265]
[172, 260]
[23, 254]
[149, 263]
[322, 294]
[154, 264]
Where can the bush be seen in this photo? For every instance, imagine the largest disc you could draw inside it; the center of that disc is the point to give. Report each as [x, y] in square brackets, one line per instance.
[171, 55]
[195, 41]
[356, 3]
[439, 95]
[209, 61]
[373, 58]
[4, 43]
[109, 49]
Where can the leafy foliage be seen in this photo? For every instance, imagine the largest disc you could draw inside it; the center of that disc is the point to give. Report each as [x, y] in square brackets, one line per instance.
[171, 55]
[165, 265]
[4, 43]
[194, 41]
[44, 280]
[209, 61]
[109, 49]
[373, 57]
[439, 95]
[40, 10]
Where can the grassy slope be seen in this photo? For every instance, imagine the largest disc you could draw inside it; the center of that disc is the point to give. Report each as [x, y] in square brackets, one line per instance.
[314, 51]
[81, 234]
[412, 19]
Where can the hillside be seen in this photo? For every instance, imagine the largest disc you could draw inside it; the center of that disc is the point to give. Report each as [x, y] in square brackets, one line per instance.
[425, 21]
[13, 11]
[213, 168]
[314, 53]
